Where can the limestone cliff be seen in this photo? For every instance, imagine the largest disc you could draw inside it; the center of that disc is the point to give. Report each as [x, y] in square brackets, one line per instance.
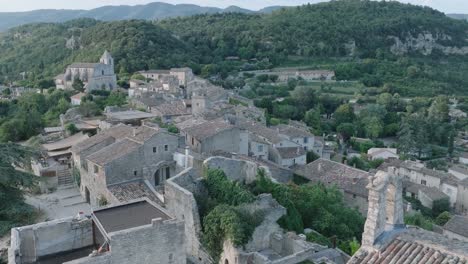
[425, 43]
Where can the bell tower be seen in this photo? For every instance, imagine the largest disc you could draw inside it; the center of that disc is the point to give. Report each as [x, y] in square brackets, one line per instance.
[107, 59]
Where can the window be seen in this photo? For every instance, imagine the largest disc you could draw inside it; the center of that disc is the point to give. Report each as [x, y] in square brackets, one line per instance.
[260, 148]
[166, 147]
[306, 139]
[354, 196]
[135, 173]
[102, 72]
[423, 182]
[193, 142]
[96, 169]
[168, 172]
[155, 150]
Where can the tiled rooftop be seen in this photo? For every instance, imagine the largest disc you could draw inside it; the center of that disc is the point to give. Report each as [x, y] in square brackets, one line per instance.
[291, 152]
[329, 172]
[291, 131]
[114, 151]
[458, 225]
[418, 247]
[128, 191]
[117, 132]
[208, 129]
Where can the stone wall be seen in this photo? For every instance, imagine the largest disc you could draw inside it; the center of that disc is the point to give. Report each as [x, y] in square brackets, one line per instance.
[236, 170]
[181, 203]
[162, 242]
[32, 242]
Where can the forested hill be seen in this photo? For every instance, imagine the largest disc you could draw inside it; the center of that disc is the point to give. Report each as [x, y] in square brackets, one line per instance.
[335, 28]
[411, 47]
[44, 50]
[151, 11]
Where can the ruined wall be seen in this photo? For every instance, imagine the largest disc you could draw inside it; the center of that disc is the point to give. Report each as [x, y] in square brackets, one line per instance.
[236, 170]
[162, 242]
[181, 203]
[47, 238]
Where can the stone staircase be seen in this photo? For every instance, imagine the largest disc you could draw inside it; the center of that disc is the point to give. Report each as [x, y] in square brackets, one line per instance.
[65, 178]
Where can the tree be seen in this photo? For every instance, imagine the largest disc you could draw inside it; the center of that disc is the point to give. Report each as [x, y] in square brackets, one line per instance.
[6, 92]
[78, 85]
[116, 99]
[373, 127]
[89, 109]
[439, 109]
[346, 130]
[344, 114]
[72, 129]
[13, 210]
[304, 96]
[312, 118]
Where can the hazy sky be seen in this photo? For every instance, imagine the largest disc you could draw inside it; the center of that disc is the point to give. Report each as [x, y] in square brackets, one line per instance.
[448, 6]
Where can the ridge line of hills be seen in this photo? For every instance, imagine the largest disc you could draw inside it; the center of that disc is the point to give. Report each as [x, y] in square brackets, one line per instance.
[151, 11]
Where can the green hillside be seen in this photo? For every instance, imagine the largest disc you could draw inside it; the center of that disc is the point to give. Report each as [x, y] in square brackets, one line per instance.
[42, 51]
[356, 38]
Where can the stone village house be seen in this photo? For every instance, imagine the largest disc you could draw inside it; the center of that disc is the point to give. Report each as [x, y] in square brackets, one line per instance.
[112, 159]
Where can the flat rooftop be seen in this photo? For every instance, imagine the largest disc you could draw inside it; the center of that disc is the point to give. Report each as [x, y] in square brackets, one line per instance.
[129, 215]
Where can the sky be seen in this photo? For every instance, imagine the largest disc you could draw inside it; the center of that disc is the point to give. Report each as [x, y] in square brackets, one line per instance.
[447, 6]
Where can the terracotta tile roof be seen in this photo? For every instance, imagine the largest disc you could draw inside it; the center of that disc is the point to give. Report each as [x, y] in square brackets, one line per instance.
[330, 173]
[415, 246]
[291, 131]
[291, 152]
[208, 129]
[66, 142]
[261, 130]
[128, 191]
[458, 225]
[117, 132]
[143, 133]
[113, 151]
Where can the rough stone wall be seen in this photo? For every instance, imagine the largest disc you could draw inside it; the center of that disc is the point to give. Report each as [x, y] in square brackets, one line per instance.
[100, 259]
[452, 235]
[96, 183]
[228, 141]
[162, 242]
[49, 238]
[181, 203]
[385, 205]
[462, 199]
[354, 201]
[123, 169]
[236, 170]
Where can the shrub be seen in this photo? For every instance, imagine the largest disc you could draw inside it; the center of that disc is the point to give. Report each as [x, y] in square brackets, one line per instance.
[443, 218]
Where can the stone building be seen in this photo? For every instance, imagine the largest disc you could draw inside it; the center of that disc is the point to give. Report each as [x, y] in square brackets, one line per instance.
[419, 174]
[217, 135]
[137, 232]
[386, 239]
[95, 76]
[457, 228]
[109, 161]
[351, 181]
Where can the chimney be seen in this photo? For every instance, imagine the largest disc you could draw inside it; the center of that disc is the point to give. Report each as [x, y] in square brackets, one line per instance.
[134, 132]
[298, 151]
[320, 167]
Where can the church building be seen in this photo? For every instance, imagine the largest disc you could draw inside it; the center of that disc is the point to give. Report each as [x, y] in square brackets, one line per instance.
[95, 76]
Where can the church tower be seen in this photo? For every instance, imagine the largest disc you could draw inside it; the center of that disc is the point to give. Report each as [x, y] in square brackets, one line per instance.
[107, 59]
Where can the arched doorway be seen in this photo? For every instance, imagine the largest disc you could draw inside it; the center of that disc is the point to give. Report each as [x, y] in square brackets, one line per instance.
[157, 178]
